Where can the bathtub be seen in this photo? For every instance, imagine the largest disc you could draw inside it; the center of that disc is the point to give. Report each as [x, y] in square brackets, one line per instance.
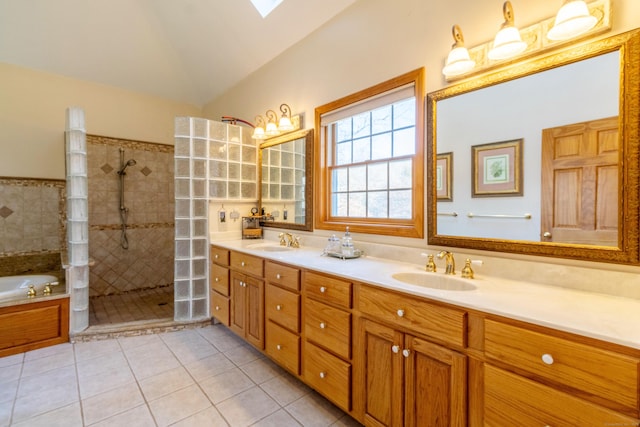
[16, 287]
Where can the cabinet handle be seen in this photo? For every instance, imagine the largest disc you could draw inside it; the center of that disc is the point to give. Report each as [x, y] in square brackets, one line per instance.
[406, 352]
[279, 347]
[395, 348]
[547, 359]
[323, 325]
[242, 263]
[278, 276]
[323, 375]
[278, 307]
[400, 313]
[323, 289]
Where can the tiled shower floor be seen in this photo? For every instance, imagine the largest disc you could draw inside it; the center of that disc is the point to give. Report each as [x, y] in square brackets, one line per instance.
[144, 304]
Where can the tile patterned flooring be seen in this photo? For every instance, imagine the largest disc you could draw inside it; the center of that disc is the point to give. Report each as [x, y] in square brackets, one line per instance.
[194, 377]
[141, 304]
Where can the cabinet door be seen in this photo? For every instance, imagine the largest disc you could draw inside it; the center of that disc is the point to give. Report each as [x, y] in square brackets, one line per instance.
[380, 374]
[254, 330]
[436, 384]
[238, 303]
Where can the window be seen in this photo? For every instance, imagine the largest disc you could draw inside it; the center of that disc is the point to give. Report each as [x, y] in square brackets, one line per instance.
[370, 159]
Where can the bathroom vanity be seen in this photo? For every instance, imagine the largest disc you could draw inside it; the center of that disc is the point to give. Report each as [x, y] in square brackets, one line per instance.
[392, 353]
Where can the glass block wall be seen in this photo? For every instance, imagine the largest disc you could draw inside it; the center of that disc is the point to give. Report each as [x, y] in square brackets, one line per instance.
[77, 270]
[213, 161]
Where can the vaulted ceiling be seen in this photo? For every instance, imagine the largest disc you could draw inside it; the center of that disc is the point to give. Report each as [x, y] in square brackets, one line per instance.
[185, 50]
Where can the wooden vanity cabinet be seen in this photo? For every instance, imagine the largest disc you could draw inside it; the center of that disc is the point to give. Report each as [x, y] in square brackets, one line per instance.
[401, 377]
[533, 376]
[219, 284]
[282, 310]
[327, 331]
[247, 297]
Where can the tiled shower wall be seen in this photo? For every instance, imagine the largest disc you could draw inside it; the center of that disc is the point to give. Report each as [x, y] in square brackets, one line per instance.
[31, 226]
[149, 195]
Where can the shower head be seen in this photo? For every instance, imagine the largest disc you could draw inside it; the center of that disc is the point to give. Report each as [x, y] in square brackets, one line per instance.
[130, 162]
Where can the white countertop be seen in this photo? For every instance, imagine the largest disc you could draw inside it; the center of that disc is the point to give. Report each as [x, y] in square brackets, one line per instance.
[605, 317]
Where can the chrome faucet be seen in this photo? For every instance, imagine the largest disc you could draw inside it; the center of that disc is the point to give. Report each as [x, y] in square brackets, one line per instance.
[450, 263]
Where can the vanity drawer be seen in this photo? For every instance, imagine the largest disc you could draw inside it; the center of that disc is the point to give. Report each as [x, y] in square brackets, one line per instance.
[328, 289]
[328, 374]
[288, 277]
[328, 326]
[220, 308]
[513, 400]
[248, 264]
[283, 346]
[219, 255]
[283, 307]
[219, 279]
[597, 372]
[414, 314]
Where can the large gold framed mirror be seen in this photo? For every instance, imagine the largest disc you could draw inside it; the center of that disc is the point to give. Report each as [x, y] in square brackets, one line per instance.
[286, 180]
[543, 155]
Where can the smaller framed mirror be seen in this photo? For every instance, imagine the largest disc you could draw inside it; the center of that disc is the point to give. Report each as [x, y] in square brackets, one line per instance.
[286, 180]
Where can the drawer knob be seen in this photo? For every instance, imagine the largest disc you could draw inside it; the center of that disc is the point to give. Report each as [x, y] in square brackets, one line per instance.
[217, 308]
[217, 279]
[278, 307]
[406, 352]
[216, 256]
[279, 347]
[547, 359]
[323, 325]
[242, 263]
[323, 289]
[400, 313]
[323, 375]
[278, 276]
[395, 348]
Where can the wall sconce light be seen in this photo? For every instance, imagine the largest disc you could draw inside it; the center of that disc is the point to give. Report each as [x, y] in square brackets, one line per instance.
[572, 19]
[258, 130]
[285, 125]
[272, 127]
[576, 19]
[458, 61]
[507, 42]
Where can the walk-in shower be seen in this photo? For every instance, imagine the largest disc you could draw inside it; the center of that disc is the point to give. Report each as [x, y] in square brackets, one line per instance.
[124, 211]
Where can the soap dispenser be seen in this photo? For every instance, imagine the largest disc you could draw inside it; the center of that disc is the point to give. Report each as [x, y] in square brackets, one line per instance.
[347, 244]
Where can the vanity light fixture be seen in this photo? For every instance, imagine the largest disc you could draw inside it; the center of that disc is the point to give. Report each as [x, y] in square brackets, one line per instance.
[572, 19]
[285, 125]
[258, 130]
[507, 42]
[458, 61]
[272, 127]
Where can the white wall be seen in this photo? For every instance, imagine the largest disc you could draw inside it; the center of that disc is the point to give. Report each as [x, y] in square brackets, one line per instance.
[32, 118]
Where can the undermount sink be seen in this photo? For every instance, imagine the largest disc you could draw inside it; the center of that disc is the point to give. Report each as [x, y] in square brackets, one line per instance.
[270, 247]
[435, 281]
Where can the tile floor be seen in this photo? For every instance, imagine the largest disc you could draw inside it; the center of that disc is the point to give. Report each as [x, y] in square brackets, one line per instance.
[194, 377]
[141, 304]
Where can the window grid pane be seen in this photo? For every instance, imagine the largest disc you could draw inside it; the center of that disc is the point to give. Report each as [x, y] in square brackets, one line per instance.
[379, 186]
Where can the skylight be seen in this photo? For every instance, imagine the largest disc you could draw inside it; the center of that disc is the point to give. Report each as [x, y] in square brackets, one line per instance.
[265, 7]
